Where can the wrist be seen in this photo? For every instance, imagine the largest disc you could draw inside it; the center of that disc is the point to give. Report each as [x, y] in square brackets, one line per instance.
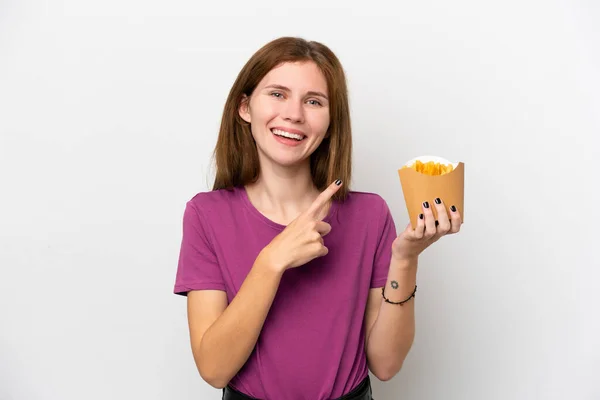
[405, 264]
[269, 263]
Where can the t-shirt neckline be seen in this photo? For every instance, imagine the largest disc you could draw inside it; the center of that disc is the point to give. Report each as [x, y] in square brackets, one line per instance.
[260, 216]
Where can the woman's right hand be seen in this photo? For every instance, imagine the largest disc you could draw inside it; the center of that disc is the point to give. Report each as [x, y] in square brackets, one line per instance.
[302, 240]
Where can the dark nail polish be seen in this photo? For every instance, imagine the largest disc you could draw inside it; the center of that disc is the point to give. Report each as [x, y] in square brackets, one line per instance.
[437, 222]
[453, 208]
[421, 216]
[338, 182]
[437, 200]
[426, 204]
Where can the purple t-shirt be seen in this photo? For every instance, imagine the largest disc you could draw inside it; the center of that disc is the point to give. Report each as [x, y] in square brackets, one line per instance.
[312, 343]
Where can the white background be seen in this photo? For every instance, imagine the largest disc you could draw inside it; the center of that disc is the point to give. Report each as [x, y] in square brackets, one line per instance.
[109, 111]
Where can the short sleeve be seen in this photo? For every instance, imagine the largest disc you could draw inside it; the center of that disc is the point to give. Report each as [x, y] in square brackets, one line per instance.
[198, 267]
[383, 251]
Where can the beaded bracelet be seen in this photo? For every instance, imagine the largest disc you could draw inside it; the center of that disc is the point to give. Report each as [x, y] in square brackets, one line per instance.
[399, 302]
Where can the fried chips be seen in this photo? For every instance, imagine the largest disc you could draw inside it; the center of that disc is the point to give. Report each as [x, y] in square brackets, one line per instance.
[431, 168]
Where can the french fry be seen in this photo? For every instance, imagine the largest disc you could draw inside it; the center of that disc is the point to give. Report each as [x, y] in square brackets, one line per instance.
[431, 167]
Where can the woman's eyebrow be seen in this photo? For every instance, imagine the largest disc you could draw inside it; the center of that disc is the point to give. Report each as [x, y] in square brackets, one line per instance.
[310, 93]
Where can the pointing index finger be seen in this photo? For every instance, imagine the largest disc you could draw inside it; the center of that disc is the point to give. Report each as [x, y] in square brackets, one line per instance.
[323, 198]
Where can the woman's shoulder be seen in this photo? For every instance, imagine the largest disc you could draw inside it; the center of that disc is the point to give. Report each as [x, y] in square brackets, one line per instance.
[365, 200]
[214, 201]
[362, 204]
[211, 196]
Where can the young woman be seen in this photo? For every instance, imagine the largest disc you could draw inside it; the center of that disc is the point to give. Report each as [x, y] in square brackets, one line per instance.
[296, 285]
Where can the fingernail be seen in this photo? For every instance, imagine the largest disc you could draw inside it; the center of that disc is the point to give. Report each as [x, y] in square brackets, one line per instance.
[426, 204]
[338, 182]
[437, 200]
[437, 222]
[420, 216]
[453, 209]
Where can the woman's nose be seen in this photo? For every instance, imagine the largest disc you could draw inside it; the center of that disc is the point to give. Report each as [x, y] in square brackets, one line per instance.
[293, 111]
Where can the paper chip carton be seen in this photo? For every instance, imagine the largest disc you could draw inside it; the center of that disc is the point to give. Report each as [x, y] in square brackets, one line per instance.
[427, 177]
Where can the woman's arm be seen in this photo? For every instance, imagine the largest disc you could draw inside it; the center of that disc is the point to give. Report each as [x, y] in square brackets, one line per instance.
[391, 328]
[223, 336]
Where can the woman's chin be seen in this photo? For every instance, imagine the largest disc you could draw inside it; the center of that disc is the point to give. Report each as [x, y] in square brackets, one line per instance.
[289, 162]
[286, 159]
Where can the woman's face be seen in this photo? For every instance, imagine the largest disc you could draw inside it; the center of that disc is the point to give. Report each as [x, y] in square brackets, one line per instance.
[289, 113]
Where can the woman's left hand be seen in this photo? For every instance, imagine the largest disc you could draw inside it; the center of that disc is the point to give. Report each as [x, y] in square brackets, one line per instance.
[411, 243]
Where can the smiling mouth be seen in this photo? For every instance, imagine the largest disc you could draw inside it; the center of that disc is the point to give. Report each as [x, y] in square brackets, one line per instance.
[288, 135]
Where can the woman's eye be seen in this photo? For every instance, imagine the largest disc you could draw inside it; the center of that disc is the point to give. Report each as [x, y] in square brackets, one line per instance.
[280, 95]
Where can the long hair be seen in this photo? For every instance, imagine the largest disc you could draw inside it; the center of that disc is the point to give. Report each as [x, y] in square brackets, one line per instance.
[235, 154]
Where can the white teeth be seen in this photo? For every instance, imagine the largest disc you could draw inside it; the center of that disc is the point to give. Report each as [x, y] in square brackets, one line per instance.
[279, 132]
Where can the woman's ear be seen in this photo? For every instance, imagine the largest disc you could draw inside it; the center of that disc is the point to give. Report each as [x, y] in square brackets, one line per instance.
[244, 109]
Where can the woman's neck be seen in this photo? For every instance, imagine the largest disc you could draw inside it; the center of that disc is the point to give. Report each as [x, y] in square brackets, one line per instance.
[282, 194]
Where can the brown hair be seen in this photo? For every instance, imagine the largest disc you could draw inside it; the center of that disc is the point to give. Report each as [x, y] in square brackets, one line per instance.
[235, 153]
